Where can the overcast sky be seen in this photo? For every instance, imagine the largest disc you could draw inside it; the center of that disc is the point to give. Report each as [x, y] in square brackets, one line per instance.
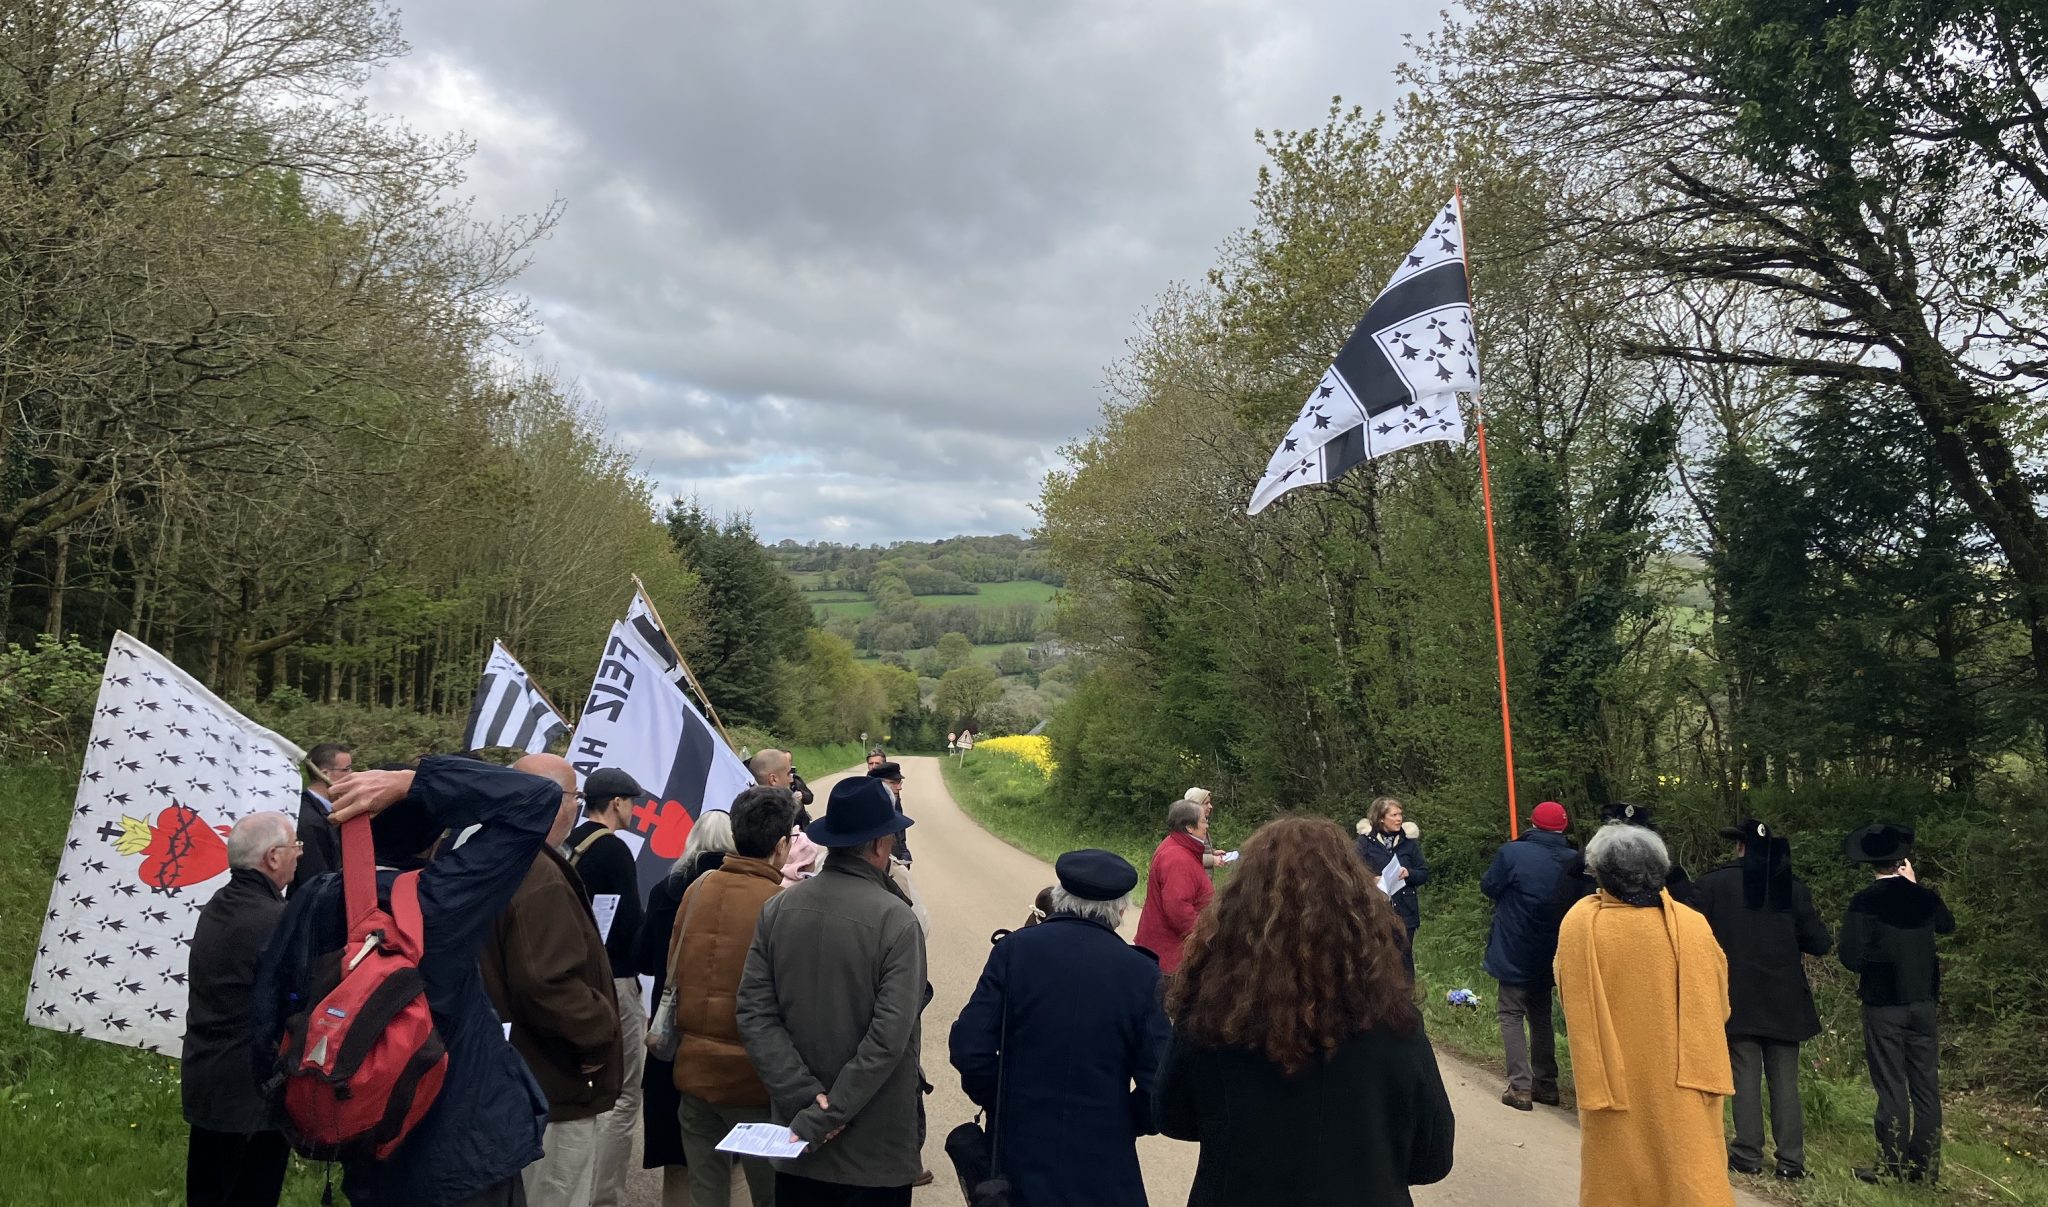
[857, 266]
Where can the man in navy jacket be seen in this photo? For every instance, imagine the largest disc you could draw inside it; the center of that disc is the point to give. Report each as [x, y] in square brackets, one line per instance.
[486, 1125]
[1061, 1042]
[1531, 884]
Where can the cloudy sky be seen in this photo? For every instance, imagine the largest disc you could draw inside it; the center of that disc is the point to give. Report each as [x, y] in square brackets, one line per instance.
[857, 267]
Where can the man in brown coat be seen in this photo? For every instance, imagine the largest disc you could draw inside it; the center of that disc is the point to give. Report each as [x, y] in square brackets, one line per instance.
[714, 928]
[551, 982]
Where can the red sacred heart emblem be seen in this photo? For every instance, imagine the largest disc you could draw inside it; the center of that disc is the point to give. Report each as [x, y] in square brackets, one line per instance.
[180, 849]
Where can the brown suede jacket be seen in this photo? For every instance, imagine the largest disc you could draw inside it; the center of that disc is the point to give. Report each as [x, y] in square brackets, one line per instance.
[548, 975]
[708, 952]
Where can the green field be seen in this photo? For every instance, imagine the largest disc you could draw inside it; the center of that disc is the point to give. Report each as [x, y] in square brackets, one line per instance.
[856, 606]
[833, 604]
[1021, 590]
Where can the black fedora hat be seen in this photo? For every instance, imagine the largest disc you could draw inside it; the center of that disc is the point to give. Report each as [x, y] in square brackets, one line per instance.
[1749, 829]
[1879, 842]
[1627, 814]
[859, 810]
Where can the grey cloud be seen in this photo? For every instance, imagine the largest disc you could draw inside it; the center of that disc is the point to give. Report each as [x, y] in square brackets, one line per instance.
[799, 233]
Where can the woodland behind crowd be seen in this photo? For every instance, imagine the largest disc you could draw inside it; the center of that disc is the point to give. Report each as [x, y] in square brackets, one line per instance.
[1758, 286]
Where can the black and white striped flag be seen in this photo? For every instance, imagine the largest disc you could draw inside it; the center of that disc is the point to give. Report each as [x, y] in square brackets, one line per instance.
[509, 711]
[1396, 381]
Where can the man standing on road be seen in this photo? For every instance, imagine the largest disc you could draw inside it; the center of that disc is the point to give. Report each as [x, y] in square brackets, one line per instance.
[1061, 1043]
[1888, 941]
[550, 977]
[1532, 882]
[235, 1159]
[828, 1008]
[771, 768]
[1764, 918]
[1178, 887]
[322, 842]
[606, 865]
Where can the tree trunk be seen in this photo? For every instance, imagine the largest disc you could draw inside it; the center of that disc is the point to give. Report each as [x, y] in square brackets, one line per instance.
[53, 624]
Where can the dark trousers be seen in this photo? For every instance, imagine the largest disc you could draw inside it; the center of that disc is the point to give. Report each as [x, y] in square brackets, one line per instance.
[1755, 1062]
[235, 1169]
[1901, 1045]
[1531, 1056]
[1408, 951]
[509, 1193]
[792, 1191]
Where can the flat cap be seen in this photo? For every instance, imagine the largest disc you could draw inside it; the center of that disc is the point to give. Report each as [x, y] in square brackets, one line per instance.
[607, 782]
[1096, 875]
[886, 771]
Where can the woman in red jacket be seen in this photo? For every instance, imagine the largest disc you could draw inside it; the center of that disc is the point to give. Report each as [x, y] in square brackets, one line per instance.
[1178, 886]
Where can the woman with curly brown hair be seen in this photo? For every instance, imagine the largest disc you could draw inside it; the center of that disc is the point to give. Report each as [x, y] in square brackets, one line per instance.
[1293, 1027]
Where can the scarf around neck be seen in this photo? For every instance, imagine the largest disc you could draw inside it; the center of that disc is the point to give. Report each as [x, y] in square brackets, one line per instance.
[1599, 1058]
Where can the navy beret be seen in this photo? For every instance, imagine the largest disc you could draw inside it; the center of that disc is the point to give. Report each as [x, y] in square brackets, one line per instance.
[1096, 875]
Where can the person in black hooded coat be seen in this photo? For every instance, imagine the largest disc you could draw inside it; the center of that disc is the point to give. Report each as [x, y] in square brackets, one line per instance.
[1765, 919]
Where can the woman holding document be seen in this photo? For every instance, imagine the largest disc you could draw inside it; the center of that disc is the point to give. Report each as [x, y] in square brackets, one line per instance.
[1386, 837]
[1298, 1060]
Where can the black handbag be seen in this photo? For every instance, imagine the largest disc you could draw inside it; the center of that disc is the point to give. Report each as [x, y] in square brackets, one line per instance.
[973, 1151]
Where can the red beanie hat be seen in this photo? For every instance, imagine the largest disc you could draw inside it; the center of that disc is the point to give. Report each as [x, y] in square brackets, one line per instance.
[1549, 816]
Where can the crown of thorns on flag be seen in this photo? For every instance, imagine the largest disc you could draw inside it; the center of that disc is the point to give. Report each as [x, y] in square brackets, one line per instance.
[180, 849]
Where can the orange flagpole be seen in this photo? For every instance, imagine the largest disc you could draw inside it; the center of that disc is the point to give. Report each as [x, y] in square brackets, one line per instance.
[1500, 640]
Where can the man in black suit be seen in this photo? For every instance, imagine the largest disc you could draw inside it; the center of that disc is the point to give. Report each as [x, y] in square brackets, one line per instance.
[322, 841]
[1888, 941]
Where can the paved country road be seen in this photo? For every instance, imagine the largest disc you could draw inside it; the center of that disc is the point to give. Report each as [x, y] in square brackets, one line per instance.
[974, 883]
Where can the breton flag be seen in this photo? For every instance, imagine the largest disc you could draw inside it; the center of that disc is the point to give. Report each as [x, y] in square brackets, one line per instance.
[168, 770]
[638, 720]
[1396, 381]
[509, 710]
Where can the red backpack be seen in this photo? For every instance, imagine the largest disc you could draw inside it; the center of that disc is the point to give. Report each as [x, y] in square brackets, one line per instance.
[360, 1068]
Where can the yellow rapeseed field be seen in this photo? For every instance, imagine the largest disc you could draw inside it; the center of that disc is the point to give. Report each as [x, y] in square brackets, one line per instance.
[1035, 751]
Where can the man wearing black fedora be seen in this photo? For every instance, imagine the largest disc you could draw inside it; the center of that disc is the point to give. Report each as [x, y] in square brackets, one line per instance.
[1765, 921]
[828, 1008]
[1888, 942]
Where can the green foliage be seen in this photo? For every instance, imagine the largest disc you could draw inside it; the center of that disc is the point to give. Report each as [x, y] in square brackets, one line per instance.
[953, 652]
[377, 735]
[46, 697]
[753, 614]
[965, 695]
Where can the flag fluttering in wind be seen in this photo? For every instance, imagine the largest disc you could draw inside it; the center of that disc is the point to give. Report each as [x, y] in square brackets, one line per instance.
[1396, 381]
[168, 770]
[508, 710]
[638, 720]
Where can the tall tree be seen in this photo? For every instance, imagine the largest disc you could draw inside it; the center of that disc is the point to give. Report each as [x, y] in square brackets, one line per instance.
[754, 614]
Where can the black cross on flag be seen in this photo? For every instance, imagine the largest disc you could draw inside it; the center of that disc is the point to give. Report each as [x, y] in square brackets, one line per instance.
[1396, 380]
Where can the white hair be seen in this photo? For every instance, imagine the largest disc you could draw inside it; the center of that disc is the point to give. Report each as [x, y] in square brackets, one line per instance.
[713, 832]
[255, 836]
[1628, 860]
[1109, 913]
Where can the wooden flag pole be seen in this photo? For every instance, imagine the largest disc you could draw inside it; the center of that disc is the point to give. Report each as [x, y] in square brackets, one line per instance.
[688, 675]
[1500, 641]
[535, 685]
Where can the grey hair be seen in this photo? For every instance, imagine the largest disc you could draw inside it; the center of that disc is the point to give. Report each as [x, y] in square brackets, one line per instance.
[713, 832]
[1183, 815]
[1109, 913]
[1628, 861]
[255, 836]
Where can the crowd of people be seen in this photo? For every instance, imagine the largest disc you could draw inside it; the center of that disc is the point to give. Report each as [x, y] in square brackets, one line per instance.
[787, 955]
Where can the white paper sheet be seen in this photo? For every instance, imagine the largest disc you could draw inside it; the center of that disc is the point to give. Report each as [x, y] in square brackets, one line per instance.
[1390, 878]
[604, 907]
[761, 1140]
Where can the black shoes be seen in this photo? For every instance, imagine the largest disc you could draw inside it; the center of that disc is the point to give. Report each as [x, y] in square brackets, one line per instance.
[1739, 1167]
[1545, 1097]
[1785, 1173]
[1521, 1102]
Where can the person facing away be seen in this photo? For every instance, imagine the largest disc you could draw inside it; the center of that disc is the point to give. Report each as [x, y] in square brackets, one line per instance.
[1061, 1043]
[1622, 812]
[1177, 886]
[828, 1009]
[1531, 883]
[234, 1156]
[551, 980]
[321, 843]
[661, 1128]
[1645, 991]
[1764, 919]
[486, 1124]
[608, 868]
[715, 1081]
[1298, 1059]
[1385, 834]
[1888, 942]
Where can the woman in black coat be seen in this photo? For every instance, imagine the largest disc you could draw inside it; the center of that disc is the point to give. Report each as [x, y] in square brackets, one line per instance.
[662, 1127]
[1386, 835]
[1298, 1060]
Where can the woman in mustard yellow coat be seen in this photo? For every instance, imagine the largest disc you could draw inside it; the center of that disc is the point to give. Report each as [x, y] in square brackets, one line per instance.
[1645, 989]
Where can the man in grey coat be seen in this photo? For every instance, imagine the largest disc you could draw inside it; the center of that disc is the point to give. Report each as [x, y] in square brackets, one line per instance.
[828, 1007]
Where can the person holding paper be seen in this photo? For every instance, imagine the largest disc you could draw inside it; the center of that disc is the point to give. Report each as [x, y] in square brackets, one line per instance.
[549, 977]
[1385, 838]
[606, 864]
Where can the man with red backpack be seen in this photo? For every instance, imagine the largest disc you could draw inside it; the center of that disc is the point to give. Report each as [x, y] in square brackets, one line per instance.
[485, 1125]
